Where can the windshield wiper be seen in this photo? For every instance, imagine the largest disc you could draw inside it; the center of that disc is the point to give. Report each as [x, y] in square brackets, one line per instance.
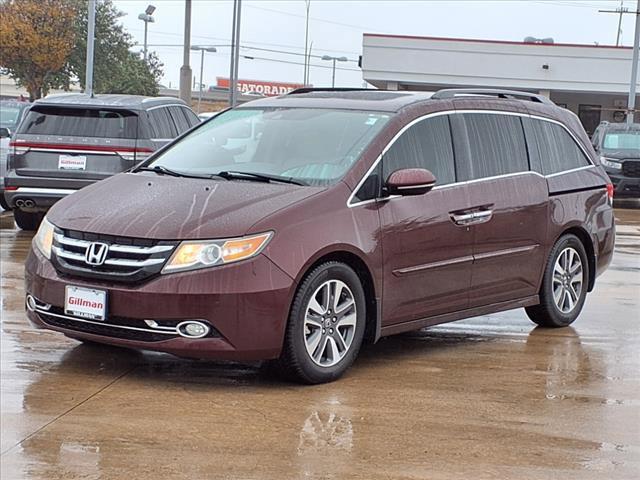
[260, 177]
[161, 170]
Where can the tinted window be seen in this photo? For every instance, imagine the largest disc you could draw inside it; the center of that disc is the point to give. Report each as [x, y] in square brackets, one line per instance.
[427, 144]
[370, 188]
[191, 117]
[558, 150]
[496, 143]
[161, 123]
[179, 119]
[79, 122]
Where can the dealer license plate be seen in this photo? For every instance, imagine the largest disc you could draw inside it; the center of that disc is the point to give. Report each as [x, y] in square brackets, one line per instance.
[85, 302]
[72, 162]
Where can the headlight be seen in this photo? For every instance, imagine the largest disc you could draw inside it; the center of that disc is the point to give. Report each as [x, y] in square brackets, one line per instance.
[192, 255]
[610, 163]
[44, 238]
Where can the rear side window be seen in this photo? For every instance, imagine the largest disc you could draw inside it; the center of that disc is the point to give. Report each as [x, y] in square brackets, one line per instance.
[79, 122]
[557, 149]
[427, 144]
[161, 123]
[496, 145]
[192, 118]
[180, 121]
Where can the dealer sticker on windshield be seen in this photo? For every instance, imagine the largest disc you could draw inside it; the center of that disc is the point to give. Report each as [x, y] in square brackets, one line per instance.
[85, 302]
[72, 162]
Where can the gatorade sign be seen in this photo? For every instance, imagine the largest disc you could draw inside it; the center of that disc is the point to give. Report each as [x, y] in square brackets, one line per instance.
[269, 89]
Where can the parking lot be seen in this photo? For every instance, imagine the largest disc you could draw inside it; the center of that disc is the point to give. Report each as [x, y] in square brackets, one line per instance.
[488, 397]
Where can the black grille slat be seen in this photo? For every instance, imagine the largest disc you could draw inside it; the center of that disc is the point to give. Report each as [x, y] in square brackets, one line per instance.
[631, 168]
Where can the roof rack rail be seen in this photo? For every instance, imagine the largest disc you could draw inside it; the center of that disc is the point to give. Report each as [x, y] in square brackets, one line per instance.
[328, 89]
[510, 94]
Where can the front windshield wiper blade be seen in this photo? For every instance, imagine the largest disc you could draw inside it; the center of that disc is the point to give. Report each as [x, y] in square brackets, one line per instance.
[162, 170]
[260, 177]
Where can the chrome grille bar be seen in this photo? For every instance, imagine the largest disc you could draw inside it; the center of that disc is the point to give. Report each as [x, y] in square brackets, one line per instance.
[119, 262]
[73, 242]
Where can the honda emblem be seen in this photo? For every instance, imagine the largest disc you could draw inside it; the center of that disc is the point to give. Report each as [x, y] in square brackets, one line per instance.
[96, 253]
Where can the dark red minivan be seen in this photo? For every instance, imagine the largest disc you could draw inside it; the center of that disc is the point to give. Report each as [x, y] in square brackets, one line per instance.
[295, 228]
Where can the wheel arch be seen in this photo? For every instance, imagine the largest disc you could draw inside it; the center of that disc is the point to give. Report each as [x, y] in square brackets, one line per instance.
[362, 269]
[587, 242]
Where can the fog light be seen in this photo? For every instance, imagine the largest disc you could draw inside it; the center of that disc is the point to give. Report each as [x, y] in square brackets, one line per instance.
[192, 329]
[31, 303]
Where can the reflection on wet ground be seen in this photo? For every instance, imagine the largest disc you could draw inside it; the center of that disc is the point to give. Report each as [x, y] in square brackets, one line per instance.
[488, 397]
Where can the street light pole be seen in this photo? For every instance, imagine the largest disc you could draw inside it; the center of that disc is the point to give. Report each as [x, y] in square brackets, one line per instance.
[185, 70]
[147, 18]
[91, 33]
[634, 68]
[235, 53]
[202, 50]
[334, 60]
[306, 47]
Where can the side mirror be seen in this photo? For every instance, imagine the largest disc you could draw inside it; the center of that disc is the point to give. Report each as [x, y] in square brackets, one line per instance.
[5, 132]
[410, 181]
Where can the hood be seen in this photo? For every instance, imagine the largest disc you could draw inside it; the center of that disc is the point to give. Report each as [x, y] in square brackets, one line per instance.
[146, 205]
[621, 153]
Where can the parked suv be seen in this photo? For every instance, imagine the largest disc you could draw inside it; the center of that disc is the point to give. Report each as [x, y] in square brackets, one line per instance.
[619, 146]
[351, 215]
[69, 141]
[11, 113]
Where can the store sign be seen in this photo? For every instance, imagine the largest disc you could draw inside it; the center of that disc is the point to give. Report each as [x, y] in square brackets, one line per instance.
[269, 89]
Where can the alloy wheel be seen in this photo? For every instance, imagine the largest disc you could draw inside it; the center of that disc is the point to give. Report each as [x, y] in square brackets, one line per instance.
[330, 323]
[567, 280]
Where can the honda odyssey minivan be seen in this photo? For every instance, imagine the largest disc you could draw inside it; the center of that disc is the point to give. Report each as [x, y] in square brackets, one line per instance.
[294, 229]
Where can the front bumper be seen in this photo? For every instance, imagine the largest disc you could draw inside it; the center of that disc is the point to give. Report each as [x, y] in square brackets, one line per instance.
[246, 304]
[624, 187]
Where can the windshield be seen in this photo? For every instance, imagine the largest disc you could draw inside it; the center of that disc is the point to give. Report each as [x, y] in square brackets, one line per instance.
[622, 140]
[314, 146]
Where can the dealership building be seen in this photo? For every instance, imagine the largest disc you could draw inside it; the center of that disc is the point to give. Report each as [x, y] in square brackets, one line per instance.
[590, 80]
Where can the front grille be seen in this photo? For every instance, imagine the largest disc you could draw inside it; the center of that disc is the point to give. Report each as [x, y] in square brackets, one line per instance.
[126, 259]
[631, 168]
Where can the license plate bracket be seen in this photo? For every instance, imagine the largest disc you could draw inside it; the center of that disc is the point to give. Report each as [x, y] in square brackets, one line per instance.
[84, 302]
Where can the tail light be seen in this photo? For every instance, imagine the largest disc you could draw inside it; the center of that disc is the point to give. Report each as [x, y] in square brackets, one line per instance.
[138, 154]
[610, 191]
[18, 148]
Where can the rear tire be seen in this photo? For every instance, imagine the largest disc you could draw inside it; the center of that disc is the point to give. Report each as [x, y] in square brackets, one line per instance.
[27, 220]
[326, 325]
[564, 284]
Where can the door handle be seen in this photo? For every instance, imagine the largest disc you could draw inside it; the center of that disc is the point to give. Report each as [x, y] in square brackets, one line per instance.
[462, 218]
[471, 218]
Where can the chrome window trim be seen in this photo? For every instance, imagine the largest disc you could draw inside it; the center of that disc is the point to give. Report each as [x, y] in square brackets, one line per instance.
[351, 203]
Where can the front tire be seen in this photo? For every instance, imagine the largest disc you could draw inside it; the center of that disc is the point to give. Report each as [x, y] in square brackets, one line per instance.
[564, 284]
[27, 220]
[326, 325]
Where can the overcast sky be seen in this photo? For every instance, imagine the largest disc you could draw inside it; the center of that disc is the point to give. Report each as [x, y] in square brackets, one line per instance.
[336, 28]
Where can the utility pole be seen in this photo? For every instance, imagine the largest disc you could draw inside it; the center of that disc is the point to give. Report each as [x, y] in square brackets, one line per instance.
[634, 68]
[91, 33]
[306, 47]
[620, 11]
[631, 105]
[185, 70]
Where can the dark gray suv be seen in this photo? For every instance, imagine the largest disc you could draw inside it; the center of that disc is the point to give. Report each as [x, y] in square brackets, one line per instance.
[619, 147]
[69, 141]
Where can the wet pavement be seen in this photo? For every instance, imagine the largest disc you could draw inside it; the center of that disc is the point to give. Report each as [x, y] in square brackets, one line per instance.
[488, 397]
